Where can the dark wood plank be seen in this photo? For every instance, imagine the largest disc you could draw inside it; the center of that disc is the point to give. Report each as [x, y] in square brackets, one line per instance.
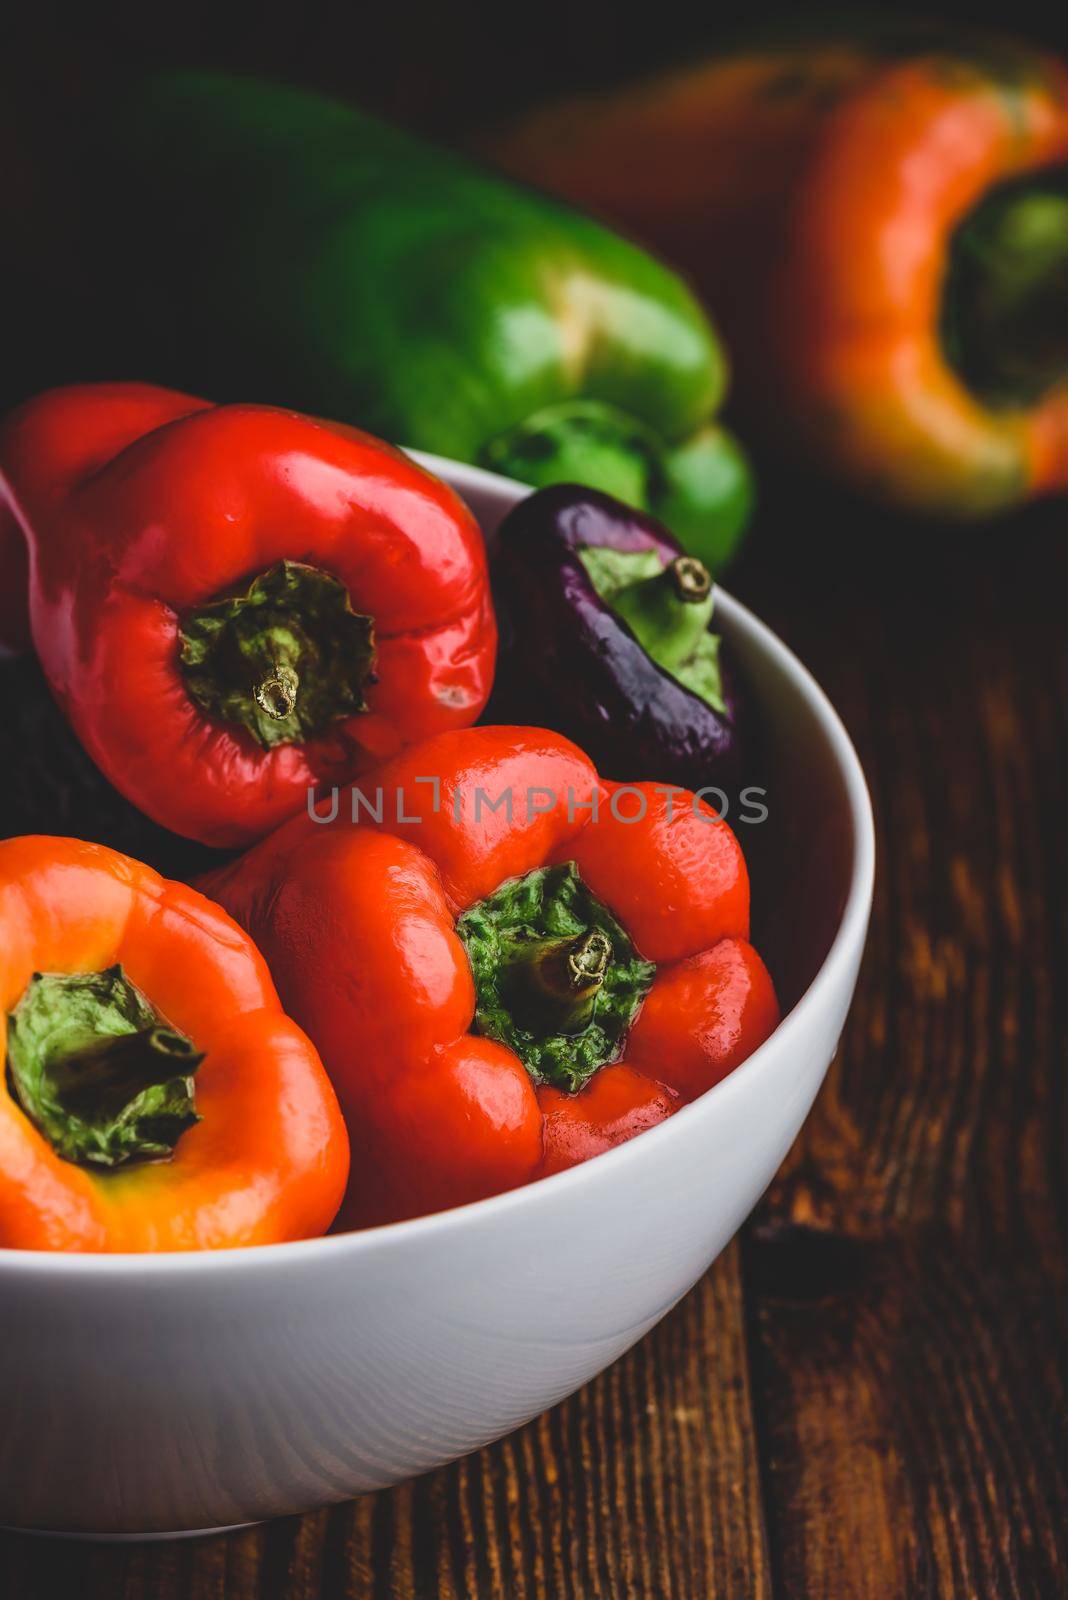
[906, 1275]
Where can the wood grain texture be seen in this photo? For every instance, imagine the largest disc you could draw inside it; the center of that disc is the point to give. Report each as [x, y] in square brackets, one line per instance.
[865, 1396]
[905, 1277]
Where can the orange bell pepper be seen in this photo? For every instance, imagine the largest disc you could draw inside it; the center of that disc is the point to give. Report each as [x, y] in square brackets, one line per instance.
[158, 1097]
[881, 227]
[501, 982]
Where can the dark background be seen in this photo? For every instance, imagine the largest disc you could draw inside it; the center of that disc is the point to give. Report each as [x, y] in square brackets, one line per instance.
[442, 65]
[864, 1399]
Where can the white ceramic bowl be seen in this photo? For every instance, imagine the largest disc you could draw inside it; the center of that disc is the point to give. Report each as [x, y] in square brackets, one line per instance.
[158, 1394]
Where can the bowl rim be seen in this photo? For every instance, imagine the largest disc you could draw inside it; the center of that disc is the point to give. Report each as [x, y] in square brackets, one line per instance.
[845, 946]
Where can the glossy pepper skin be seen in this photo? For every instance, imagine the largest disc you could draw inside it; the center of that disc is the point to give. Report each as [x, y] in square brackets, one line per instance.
[360, 926]
[290, 247]
[568, 660]
[268, 1159]
[148, 514]
[881, 224]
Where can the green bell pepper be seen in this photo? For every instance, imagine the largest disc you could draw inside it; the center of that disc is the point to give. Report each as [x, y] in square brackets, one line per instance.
[273, 244]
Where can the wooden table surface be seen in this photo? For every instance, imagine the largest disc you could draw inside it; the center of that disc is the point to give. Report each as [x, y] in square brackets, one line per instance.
[864, 1396]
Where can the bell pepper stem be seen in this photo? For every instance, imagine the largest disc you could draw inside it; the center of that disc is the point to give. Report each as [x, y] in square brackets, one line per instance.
[557, 979]
[691, 579]
[276, 694]
[110, 1071]
[285, 660]
[554, 983]
[98, 1070]
[581, 441]
[1006, 304]
[670, 612]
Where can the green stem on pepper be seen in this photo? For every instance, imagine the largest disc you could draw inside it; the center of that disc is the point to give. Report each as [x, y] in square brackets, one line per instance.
[553, 984]
[668, 608]
[98, 1070]
[285, 660]
[1005, 318]
[557, 979]
[277, 692]
[669, 613]
[581, 441]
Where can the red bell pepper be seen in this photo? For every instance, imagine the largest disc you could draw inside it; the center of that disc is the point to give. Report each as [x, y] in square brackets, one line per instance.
[232, 603]
[506, 964]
